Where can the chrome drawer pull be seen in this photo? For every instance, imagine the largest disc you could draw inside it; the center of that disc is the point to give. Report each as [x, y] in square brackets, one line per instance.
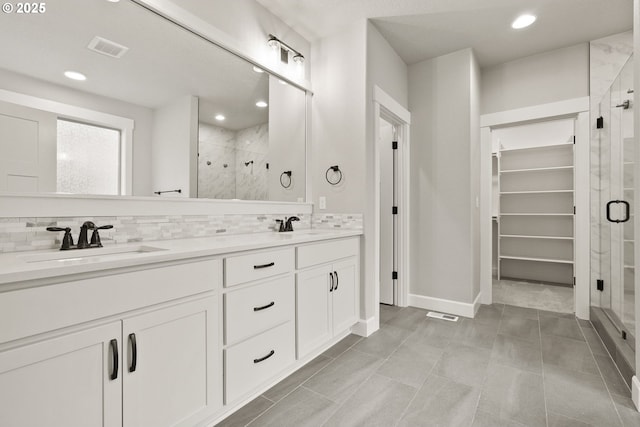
[262, 359]
[264, 307]
[271, 264]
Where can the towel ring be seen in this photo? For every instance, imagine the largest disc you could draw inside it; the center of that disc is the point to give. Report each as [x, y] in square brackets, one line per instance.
[334, 169]
[288, 175]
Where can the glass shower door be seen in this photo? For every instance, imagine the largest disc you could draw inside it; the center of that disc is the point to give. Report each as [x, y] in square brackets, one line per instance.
[616, 200]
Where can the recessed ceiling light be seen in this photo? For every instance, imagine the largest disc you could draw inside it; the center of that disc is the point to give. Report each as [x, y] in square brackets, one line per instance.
[261, 104]
[257, 69]
[74, 75]
[282, 82]
[523, 21]
[113, 1]
[220, 117]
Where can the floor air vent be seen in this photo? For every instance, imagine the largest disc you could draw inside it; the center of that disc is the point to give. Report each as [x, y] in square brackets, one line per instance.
[107, 47]
[442, 316]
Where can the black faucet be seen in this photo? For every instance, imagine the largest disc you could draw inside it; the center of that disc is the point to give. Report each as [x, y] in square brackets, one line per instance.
[83, 241]
[67, 240]
[288, 225]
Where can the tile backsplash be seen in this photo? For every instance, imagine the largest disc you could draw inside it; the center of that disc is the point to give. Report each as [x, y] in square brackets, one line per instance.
[28, 234]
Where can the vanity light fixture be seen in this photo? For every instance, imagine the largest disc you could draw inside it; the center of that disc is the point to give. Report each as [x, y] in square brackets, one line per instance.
[523, 21]
[74, 75]
[262, 104]
[275, 43]
[220, 117]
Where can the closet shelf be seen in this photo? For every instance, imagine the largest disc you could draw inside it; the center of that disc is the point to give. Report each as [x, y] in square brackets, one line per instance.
[554, 168]
[551, 260]
[538, 148]
[631, 267]
[523, 236]
[536, 192]
[535, 214]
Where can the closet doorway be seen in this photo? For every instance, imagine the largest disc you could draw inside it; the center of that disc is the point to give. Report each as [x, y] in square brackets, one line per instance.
[534, 227]
[536, 189]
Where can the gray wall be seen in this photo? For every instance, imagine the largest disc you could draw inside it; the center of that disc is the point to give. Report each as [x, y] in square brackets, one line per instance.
[338, 118]
[444, 167]
[539, 79]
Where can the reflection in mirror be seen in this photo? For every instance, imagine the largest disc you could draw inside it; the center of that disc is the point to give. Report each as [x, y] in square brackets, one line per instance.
[154, 110]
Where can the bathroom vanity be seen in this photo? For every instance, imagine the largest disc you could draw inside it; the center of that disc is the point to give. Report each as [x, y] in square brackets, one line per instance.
[169, 333]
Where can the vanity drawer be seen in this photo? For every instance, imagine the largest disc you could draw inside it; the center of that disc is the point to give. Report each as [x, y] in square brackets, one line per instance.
[250, 363]
[258, 265]
[257, 308]
[321, 253]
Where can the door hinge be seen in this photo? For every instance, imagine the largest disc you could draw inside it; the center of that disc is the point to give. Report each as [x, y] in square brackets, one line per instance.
[394, 275]
[574, 139]
[624, 335]
[574, 281]
[600, 285]
[600, 122]
[394, 210]
[574, 210]
[394, 145]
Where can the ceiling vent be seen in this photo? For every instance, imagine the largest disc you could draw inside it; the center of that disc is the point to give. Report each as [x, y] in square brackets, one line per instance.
[107, 47]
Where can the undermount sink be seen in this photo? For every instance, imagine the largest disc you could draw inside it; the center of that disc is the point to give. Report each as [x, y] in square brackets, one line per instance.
[83, 254]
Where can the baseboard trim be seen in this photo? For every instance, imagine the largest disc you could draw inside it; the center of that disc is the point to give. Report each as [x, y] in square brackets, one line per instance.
[464, 309]
[635, 391]
[364, 328]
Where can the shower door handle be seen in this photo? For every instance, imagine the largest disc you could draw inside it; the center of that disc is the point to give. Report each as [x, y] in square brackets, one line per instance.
[627, 210]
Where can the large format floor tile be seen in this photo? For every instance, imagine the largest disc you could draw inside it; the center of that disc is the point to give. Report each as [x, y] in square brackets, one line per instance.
[509, 367]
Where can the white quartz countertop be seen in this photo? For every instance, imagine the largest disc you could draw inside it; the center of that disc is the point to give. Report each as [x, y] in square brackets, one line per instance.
[34, 265]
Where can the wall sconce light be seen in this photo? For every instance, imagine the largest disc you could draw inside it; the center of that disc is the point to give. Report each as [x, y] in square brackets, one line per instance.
[276, 43]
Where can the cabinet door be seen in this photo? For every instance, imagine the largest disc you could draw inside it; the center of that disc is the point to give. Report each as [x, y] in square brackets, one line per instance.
[313, 309]
[171, 371]
[64, 381]
[345, 303]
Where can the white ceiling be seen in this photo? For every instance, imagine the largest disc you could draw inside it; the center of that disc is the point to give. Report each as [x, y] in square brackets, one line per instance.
[163, 64]
[422, 29]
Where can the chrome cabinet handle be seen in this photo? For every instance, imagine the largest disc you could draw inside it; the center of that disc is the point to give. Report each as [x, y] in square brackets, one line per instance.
[331, 287]
[337, 280]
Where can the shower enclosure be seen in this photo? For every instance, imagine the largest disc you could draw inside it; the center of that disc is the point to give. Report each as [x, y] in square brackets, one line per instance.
[613, 157]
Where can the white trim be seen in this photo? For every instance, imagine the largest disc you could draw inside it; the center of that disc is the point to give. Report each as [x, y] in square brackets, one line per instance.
[385, 106]
[582, 226]
[17, 205]
[382, 98]
[486, 219]
[577, 108]
[365, 328]
[464, 309]
[536, 112]
[635, 391]
[85, 115]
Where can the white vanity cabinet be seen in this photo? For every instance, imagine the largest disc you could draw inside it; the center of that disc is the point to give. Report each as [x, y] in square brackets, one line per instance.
[259, 316]
[326, 295]
[154, 364]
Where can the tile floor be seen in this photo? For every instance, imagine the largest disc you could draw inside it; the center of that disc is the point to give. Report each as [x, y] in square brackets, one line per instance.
[533, 295]
[510, 366]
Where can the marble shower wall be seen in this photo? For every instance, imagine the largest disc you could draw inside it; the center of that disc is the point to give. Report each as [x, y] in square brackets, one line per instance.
[607, 57]
[222, 173]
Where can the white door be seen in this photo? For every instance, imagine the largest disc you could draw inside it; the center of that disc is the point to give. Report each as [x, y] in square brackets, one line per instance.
[344, 295]
[72, 380]
[171, 371]
[313, 302]
[387, 218]
[27, 149]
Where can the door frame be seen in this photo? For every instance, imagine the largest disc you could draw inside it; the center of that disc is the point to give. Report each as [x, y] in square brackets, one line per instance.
[577, 108]
[388, 108]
